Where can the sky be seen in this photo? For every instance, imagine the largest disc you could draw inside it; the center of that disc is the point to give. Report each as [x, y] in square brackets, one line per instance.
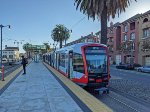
[33, 20]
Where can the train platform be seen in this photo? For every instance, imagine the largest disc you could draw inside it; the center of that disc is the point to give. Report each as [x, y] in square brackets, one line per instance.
[43, 89]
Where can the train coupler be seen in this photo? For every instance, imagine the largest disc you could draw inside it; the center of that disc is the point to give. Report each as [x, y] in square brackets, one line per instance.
[102, 90]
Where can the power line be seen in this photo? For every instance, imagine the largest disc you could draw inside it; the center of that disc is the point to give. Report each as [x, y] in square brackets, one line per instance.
[78, 22]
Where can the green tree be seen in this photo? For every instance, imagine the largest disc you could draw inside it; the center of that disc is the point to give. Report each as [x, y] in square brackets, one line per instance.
[60, 34]
[27, 46]
[102, 9]
[47, 46]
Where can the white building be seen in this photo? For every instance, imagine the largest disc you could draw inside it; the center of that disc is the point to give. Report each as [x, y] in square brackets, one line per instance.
[11, 53]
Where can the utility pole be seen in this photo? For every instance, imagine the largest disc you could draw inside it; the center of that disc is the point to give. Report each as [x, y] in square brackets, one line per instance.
[1, 26]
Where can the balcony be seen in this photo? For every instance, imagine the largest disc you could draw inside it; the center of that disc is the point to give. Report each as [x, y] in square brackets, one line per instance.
[145, 38]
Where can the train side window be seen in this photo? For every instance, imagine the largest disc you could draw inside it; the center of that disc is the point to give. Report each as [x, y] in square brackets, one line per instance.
[78, 64]
[62, 60]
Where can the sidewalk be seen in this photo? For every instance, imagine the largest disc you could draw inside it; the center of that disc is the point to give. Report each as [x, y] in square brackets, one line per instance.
[37, 91]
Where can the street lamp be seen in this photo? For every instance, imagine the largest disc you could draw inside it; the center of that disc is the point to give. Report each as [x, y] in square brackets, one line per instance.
[1, 26]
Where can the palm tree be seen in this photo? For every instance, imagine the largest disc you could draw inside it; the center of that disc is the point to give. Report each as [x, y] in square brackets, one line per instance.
[102, 9]
[47, 46]
[60, 33]
[27, 46]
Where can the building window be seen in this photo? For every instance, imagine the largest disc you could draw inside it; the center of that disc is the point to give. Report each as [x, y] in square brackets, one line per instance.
[145, 20]
[111, 39]
[4, 56]
[132, 36]
[132, 26]
[125, 37]
[125, 28]
[111, 30]
[126, 46]
[11, 56]
[110, 49]
[145, 32]
[133, 46]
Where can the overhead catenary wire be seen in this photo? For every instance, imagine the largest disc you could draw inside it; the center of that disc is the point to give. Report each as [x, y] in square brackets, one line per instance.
[78, 22]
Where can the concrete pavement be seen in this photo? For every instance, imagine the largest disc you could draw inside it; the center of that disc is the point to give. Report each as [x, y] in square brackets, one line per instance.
[37, 91]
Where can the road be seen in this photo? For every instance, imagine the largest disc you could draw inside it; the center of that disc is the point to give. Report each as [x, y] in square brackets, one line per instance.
[129, 91]
[131, 82]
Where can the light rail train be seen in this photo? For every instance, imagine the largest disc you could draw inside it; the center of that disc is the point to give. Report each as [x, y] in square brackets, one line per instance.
[86, 64]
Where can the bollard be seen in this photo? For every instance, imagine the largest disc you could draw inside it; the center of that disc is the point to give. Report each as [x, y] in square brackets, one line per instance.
[3, 73]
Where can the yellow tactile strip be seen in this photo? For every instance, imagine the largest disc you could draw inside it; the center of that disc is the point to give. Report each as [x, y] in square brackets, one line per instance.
[92, 103]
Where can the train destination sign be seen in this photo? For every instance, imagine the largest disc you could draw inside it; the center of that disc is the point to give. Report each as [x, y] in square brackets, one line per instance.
[95, 50]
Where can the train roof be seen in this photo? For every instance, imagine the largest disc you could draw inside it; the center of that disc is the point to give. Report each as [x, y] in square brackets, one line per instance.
[77, 47]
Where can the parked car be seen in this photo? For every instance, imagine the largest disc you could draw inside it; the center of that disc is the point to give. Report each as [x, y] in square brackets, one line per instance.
[125, 66]
[4, 60]
[136, 65]
[144, 69]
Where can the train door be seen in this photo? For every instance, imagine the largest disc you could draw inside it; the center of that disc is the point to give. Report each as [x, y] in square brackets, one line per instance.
[57, 61]
[53, 58]
[50, 59]
[70, 67]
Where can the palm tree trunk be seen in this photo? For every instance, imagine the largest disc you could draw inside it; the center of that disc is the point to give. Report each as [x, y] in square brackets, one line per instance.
[65, 41]
[104, 25]
[60, 43]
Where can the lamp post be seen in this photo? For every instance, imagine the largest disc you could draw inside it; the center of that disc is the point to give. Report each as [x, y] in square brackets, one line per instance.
[1, 26]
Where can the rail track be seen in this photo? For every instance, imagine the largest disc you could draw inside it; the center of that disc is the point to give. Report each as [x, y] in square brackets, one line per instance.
[121, 102]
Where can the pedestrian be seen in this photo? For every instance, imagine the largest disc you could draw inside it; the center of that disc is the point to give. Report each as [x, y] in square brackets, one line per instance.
[24, 62]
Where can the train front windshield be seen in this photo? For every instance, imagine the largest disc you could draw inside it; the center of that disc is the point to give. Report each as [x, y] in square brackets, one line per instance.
[96, 60]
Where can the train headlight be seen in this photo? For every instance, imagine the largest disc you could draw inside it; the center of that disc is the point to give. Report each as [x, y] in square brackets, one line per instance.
[91, 79]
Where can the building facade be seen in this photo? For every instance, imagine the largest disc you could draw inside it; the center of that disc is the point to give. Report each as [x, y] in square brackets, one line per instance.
[113, 42]
[144, 39]
[89, 38]
[11, 53]
[128, 42]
